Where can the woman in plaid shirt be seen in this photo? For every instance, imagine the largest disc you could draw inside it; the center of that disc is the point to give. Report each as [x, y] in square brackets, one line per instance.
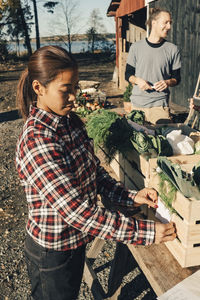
[62, 176]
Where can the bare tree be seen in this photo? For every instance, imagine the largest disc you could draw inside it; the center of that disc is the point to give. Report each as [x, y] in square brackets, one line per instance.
[96, 27]
[69, 9]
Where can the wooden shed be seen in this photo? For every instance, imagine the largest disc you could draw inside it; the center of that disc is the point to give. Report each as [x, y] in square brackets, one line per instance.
[130, 18]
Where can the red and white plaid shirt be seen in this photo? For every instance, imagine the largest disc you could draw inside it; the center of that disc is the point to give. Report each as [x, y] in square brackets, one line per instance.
[62, 177]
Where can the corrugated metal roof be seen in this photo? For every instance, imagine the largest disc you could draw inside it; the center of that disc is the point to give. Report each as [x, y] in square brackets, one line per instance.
[120, 8]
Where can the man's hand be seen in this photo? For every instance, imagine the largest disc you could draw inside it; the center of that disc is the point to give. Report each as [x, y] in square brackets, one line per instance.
[195, 107]
[143, 84]
[146, 196]
[161, 85]
[164, 232]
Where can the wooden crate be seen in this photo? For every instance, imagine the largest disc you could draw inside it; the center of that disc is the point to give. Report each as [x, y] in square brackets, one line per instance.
[186, 256]
[188, 233]
[136, 162]
[186, 249]
[130, 169]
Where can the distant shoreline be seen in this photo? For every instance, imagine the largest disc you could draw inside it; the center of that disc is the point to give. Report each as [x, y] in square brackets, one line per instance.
[74, 37]
[77, 46]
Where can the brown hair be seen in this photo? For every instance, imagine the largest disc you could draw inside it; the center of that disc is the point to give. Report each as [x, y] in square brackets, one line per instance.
[44, 65]
[155, 12]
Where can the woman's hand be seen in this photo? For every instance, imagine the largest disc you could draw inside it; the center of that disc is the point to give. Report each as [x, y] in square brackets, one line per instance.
[164, 232]
[146, 196]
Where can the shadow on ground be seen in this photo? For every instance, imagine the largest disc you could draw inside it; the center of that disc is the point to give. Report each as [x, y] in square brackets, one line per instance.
[9, 116]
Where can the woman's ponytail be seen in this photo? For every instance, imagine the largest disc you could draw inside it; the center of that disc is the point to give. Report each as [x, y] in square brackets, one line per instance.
[25, 95]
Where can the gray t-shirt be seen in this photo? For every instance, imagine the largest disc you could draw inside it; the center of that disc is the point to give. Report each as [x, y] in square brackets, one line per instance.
[152, 64]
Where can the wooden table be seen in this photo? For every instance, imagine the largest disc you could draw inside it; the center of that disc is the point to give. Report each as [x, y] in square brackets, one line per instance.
[157, 263]
[160, 267]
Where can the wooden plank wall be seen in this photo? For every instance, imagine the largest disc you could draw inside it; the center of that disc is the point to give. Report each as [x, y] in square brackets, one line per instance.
[185, 34]
[131, 35]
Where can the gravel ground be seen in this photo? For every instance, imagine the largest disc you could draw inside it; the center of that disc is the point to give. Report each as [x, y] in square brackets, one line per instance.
[14, 282]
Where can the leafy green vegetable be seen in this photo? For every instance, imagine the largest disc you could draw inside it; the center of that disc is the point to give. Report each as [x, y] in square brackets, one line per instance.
[141, 142]
[187, 183]
[109, 131]
[150, 146]
[82, 111]
[197, 148]
[127, 93]
[167, 191]
[98, 124]
[136, 116]
[118, 139]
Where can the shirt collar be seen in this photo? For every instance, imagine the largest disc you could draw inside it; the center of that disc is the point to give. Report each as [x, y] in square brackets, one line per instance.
[155, 45]
[49, 119]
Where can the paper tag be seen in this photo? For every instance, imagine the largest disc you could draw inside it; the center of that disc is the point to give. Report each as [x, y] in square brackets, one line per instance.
[163, 213]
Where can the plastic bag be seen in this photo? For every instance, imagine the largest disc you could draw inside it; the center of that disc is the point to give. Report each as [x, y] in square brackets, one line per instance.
[181, 144]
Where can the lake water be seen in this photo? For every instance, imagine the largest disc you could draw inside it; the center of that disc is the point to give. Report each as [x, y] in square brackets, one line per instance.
[77, 46]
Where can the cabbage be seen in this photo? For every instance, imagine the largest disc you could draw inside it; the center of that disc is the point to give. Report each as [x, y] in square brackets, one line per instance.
[197, 147]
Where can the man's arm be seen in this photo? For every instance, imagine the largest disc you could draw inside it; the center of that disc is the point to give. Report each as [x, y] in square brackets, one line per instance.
[130, 77]
[173, 81]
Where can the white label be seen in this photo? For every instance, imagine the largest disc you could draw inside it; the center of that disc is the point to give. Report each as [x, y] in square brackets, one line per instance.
[163, 213]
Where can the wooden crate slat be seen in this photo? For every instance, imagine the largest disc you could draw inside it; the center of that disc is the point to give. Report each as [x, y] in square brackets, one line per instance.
[189, 209]
[187, 257]
[189, 234]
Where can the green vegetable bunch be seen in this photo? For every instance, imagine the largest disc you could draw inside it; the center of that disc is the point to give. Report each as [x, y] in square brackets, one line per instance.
[110, 131]
[137, 116]
[82, 111]
[127, 93]
[151, 146]
[197, 148]
[98, 124]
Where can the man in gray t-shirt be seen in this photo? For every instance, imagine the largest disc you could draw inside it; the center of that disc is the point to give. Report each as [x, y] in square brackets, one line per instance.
[153, 65]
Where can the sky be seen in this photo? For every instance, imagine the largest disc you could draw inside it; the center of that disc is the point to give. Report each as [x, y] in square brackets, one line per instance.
[49, 27]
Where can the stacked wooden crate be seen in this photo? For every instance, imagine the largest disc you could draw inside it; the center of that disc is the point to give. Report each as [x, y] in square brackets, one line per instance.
[185, 248]
[136, 172]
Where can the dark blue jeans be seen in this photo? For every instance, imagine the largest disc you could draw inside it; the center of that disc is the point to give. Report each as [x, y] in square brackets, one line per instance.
[54, 275]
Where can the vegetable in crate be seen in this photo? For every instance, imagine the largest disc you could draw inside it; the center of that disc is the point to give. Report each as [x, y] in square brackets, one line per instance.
[197, 147]
[141, 142]
[119, 136]
[136, 116]
[151, 146]
[82, 111]
[161, 145]
[188, 184]
[109, 131]
[127, 93]
[98, 123]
